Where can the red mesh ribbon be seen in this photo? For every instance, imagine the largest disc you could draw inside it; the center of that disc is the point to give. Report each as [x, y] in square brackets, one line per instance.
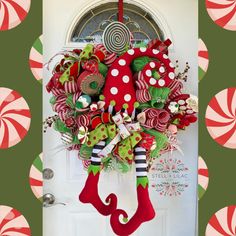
[156, 119]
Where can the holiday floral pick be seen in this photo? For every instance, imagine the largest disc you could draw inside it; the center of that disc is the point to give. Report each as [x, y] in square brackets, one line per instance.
[119, 110]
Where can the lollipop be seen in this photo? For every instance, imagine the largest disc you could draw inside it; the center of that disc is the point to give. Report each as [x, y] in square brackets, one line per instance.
[221, 118]
[12, 13]
[14, 118]
[12, 222]
[116, 37]
[203, 59]
[36, 59]
[223, 13]
[222, 222]
[203, 177]
[36, 177]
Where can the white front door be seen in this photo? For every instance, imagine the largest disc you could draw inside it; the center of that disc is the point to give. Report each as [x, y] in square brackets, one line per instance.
[173, 190]
[175, 215]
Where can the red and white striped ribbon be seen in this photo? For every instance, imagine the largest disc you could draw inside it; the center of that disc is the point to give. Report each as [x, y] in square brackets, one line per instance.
[63, 114]
[76, 96]
[175, 87]
[109, 57]
[57, 92]
[143, 95]
[157, 119]
[83, 120]
[70, 86]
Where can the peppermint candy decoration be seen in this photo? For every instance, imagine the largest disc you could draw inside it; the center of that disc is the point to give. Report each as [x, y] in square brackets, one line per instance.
[221, 118]
[203, 59]
[12, 13]
[36, 59]
[14, 118]
[12, 222]
[223, 13]
[222, 223]
[203, 177]
[116, 37]
[36, 177]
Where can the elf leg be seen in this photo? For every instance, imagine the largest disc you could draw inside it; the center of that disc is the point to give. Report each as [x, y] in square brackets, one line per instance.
[89, 193]
[145, 211]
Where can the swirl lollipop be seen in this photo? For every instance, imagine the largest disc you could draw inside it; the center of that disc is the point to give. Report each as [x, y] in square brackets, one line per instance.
[36, 59]
[12, 13]
[116, 37]
[14, 118]
[221, 118]
[203, 59]
[223, 222]
[223, 13]
[12, 222]
[203, 177]
[36, 177]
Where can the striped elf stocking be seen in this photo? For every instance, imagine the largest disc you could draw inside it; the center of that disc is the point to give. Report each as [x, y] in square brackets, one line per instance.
[145, 211]
[89, 193]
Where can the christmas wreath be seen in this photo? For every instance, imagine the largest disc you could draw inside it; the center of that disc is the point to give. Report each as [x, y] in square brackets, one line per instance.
[119, 104]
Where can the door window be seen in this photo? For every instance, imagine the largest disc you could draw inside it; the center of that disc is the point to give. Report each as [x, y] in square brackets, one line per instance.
[90, 27]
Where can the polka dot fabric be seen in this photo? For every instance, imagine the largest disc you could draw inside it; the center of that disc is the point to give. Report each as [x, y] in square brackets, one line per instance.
[119, 87]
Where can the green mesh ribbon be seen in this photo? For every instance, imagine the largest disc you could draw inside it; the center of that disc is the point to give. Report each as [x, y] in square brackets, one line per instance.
[85, 151]
[53, 100]
[103, 69]
[69, 101]
[139, 63]
[158, 98]
[59, 126]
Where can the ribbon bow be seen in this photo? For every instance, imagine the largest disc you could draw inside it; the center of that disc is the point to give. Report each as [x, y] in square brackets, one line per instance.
[126, 138]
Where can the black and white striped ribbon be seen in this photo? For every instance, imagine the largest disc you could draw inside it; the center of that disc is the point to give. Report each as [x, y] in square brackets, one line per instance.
[140, 159]
[95, 159]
